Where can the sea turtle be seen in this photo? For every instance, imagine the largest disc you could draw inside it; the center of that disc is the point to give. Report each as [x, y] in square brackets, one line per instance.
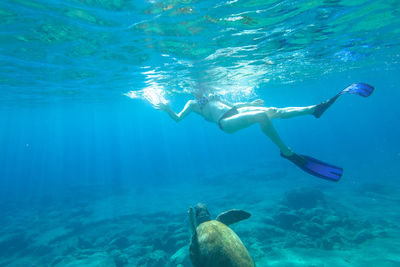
[213, 243]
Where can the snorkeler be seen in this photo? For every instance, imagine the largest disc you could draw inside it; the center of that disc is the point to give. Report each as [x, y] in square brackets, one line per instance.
[232, 117]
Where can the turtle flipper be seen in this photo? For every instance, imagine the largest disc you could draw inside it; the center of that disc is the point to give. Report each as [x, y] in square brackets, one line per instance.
[232, 216]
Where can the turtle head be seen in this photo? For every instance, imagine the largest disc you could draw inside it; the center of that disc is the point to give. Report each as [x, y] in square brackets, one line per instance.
[201, 213]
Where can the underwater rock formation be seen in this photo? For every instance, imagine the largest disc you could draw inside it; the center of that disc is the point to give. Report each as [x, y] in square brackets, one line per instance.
[306, 198]
[309, 221]
[299, 219]
[100, 259]
[181, 257]
[157, 258]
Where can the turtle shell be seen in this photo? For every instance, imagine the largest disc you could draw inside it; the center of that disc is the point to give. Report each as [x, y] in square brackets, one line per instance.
[215, 245]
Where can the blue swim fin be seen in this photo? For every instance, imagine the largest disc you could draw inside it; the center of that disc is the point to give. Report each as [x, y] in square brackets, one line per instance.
[316, 167]
[361, 89]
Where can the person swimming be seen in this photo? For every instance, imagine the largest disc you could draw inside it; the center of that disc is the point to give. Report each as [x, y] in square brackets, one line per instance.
[232, 117]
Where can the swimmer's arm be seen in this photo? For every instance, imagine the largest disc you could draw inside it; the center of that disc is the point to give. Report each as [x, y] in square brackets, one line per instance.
[176, 117]
[255, 103]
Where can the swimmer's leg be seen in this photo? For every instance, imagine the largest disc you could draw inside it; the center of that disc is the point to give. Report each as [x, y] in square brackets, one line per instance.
[311, 165]
[246, 119]
[282, 113]
[290, 112]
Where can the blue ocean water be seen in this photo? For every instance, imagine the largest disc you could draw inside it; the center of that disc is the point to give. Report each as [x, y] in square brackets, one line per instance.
[92, 177]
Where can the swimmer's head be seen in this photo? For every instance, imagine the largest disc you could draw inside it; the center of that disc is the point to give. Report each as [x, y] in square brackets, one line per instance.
[200, 90]
[197, 94]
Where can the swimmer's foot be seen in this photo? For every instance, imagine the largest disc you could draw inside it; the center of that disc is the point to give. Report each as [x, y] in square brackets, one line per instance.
[320, 108]
[361, 89]
[316, 167]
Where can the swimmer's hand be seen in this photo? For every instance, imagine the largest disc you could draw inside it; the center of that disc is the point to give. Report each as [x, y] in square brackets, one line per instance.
[257, 102]
[162, 106]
